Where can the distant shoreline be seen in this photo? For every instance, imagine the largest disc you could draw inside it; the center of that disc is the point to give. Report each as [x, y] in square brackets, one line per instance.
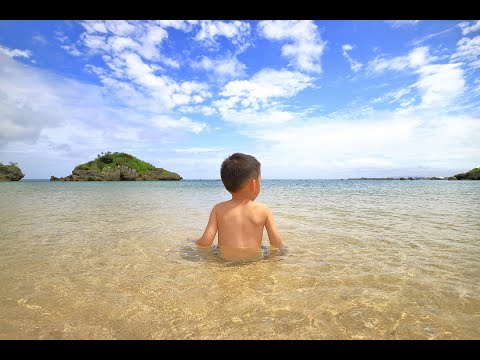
[339, 179]
[409, 178]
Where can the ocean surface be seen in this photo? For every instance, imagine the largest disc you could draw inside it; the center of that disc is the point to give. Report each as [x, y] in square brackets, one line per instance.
[365, 260]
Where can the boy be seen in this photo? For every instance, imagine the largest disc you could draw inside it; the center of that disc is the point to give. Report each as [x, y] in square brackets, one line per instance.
[240, 221]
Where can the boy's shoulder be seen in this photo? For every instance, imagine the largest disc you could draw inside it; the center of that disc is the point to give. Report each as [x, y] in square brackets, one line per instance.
[222, 203]
[256, 204]
[261, 206]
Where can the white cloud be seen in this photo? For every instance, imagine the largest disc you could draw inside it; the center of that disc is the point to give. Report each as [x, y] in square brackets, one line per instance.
[32, 100]
[252, 102]
[95, 42]
[71, 49]
[143, 103]
[401, 23]
[379, 65]
[305, 47]
[185, 25]
[467, 27]
[393, 96]
[354, 65]
[135, 82]
[468, 50]
[120, 43]
[15, 52]
[67, 45]
[417, 57]
[40, 39]
[237, 31]
[261, 88]
[150, 41]
[64, 121]
[94, 26]
[440, 84]
[132, 52]
[383, 142]
[183, 123]
[127, 133]
[258, 118]
[420, 56]
[144, 38]
[224, 68]
[60, 36]
[418, 41]
[119, 27]
[198, 150]
[203, 109]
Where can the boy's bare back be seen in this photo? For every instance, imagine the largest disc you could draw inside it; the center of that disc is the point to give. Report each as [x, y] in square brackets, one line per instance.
[240, 221]
[240, 225]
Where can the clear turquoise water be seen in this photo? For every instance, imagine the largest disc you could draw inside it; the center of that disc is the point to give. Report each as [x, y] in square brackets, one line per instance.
[365, 260]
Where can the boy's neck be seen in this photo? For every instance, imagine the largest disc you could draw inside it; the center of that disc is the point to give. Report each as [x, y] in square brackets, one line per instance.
[241, 197]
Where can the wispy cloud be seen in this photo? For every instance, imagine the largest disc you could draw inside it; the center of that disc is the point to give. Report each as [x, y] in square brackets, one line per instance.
[48, 114]
[166, 121]
[38, 100]
[305, 47]
[236, 31]
[185, 25]
[198, 150]
[468, 50]
[393, 96]
[15, 52]
[40, 39]
[468, 27]
[354, 65]
[182, 93]
[416, 58]
[132, 53]
[438, 84]
[418, 41]
[222, 68]
[383, 142]
[402, 23]
[260, 92]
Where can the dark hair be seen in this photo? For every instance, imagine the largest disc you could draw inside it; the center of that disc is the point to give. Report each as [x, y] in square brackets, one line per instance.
[237, 169]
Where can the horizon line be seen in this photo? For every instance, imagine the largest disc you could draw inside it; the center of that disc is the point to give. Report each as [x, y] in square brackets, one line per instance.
[349, 178]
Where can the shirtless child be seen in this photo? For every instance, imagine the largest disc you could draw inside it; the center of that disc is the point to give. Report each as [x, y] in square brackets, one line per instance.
[240, 221]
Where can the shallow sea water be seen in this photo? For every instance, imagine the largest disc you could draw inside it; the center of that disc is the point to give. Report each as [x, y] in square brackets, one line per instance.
[365, 260]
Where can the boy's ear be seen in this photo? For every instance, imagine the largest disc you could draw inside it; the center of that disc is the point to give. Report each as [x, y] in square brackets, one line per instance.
[251, 184]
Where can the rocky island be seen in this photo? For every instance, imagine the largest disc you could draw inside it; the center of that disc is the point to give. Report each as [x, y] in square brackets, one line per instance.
[473, 174]
[10, 172]
[117, 167]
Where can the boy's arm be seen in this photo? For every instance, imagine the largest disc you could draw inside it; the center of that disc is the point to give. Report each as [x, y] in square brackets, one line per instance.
[210, 231]
[273, 235]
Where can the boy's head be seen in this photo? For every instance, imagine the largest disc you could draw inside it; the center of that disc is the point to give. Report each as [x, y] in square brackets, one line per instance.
[238, 170]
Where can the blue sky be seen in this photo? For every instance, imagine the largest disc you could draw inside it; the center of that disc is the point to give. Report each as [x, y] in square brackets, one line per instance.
[310, 99]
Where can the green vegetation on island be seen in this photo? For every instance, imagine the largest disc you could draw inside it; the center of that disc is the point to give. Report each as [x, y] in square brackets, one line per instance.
[10, 172]
[117, 167]
[473, 174]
